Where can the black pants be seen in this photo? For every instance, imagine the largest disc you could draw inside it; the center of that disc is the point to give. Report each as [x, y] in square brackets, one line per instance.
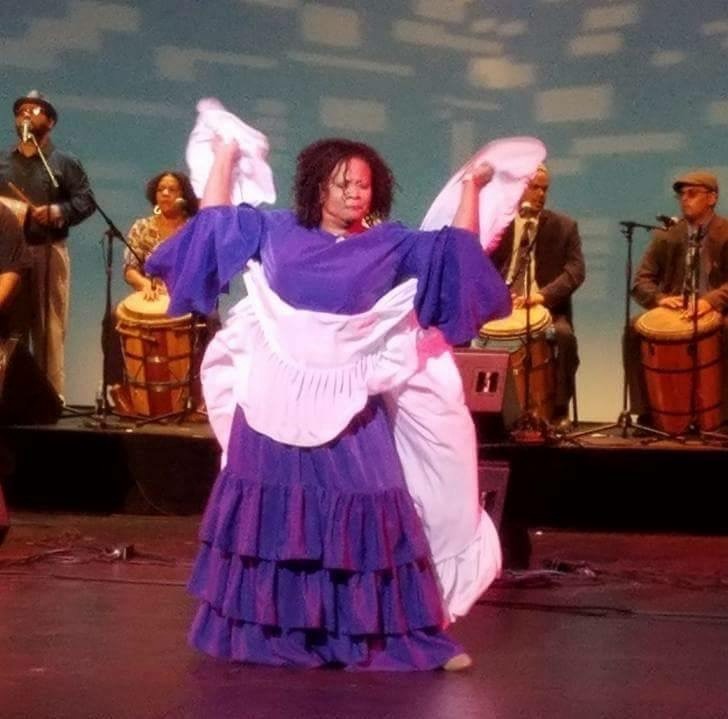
[567, 362]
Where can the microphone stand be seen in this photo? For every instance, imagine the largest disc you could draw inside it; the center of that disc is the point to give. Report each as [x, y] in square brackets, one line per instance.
[102, 410]
[624, 421]
[529, 427]
[691, 301]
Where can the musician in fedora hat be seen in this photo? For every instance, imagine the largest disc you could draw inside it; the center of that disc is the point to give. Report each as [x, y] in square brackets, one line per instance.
[54, 205]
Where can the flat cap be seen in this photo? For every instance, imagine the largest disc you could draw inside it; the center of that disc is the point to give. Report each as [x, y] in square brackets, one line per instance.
[696, 178]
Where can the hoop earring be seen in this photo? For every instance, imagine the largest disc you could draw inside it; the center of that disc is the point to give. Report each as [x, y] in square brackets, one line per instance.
[372, 220]
[157, 210]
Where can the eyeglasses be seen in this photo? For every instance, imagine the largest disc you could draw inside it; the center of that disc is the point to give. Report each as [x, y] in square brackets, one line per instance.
[692, 192]
[34, 110]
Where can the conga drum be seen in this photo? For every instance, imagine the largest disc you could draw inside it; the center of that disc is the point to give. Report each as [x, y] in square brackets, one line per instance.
[679, 368]
[509, 334]
[18, 208]
[158, 355]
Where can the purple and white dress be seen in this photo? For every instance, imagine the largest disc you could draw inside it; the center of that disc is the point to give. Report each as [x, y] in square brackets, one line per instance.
[312, 548]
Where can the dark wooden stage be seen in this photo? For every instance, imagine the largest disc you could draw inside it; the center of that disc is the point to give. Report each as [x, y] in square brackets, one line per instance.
[615, 603]
[602, 481]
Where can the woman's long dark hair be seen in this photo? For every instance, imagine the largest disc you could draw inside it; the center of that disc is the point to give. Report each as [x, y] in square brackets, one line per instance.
[317, 162]
[192, 204]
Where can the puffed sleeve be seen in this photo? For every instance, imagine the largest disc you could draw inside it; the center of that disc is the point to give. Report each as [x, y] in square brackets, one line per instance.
[198, 262]
[459, 288]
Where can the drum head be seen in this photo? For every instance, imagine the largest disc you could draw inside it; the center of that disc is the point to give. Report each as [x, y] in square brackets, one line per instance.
[662, 323]
[137, 309]
[515, 324]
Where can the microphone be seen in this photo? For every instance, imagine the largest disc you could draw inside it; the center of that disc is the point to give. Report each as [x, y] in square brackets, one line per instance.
[25, 135]
[667, 221]
[180, 202]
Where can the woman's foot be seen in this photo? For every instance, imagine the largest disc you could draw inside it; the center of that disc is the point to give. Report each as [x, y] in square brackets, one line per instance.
[458, 663]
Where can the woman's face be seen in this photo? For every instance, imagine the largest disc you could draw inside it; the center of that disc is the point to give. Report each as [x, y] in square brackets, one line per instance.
[347, 198]
[169, 195]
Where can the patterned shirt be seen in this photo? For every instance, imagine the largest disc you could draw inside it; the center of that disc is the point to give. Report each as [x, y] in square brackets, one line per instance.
[144, 238]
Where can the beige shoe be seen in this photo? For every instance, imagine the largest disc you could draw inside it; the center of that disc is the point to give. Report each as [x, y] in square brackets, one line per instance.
[458, 663]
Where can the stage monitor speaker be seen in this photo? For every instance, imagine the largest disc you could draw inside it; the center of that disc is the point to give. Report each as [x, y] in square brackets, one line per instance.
[493, 486]
[490, 391]
[26, 395]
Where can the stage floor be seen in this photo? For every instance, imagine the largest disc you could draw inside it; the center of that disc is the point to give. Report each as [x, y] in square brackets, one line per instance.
[637, 626]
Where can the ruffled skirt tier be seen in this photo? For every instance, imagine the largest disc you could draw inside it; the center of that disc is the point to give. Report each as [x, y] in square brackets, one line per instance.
[314, 556]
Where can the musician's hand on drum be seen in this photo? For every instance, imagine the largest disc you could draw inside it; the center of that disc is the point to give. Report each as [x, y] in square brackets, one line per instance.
[47, 215]
[702, 308]
[149, 289]
[674, 302]
[479, 175]
[520, 302]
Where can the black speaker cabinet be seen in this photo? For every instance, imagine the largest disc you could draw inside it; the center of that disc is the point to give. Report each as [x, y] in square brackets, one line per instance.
[490, 391]
[26, 395]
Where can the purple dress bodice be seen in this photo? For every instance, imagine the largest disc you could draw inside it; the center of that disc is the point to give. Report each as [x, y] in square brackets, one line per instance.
[458, 287]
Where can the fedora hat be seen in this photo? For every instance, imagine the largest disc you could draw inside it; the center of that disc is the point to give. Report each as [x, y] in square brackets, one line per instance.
[36, 98]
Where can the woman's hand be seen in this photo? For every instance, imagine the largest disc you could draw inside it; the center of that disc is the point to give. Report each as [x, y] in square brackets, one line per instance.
[479, 175]
[150, 289]
[218, 188]
[226, 149]
[467, 213]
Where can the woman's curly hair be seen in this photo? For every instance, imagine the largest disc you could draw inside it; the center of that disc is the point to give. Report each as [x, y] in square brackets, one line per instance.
[317, 162]
[192, 204]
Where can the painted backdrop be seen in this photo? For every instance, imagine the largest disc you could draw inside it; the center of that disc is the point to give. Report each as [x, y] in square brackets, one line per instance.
[624, 94]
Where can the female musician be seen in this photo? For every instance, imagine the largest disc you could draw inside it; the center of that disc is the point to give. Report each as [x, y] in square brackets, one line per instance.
[173, 199]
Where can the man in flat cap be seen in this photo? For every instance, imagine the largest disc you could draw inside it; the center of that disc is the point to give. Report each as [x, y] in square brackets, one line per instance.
[53, 207]
[663, 278]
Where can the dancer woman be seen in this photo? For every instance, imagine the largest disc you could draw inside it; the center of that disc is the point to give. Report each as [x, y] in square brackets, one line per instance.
[312, 550]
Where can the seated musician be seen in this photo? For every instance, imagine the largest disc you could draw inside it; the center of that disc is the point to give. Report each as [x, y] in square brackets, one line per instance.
[173, 201]
[557, 271]
[662, 280]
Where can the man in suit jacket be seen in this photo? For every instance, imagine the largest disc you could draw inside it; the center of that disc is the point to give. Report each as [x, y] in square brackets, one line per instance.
[662, 280]
[558, 270]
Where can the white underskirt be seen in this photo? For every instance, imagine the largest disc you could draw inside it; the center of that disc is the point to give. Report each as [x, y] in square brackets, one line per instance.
[301, 376]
